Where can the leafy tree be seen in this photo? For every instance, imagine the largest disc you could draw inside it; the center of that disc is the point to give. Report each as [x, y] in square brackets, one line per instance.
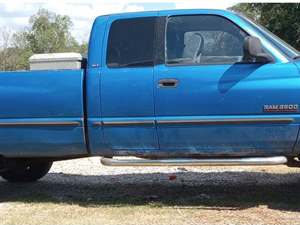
[50, 33]
[5, 39]
[12, 55]
[281, 19]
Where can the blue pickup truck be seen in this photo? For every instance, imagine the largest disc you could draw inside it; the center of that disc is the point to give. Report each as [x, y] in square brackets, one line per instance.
[176, 87]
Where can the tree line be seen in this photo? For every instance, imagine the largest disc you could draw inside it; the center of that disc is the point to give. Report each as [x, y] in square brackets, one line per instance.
[49, 32]
[282, 19]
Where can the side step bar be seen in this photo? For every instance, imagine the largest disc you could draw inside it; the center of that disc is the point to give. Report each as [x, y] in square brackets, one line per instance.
[254, 161]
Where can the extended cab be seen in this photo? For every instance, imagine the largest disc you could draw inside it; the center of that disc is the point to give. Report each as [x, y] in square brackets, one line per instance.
[180, 87]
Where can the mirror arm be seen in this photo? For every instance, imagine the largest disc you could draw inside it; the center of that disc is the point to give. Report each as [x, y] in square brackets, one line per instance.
[264, 58]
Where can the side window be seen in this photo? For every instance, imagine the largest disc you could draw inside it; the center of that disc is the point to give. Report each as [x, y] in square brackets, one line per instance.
[131, 43]
[203, 39]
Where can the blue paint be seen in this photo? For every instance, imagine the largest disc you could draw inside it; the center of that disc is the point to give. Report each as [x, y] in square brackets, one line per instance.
[125, 92]
[44, 141]
[42, 96]
[204, 92]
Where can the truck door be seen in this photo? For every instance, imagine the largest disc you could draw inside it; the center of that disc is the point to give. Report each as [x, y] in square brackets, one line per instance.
[209, 101]
[127, 100]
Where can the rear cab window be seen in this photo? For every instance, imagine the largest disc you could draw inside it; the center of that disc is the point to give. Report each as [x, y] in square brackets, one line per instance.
[131, 43]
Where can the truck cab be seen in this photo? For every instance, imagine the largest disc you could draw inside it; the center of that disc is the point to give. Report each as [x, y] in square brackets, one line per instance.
[178, 83]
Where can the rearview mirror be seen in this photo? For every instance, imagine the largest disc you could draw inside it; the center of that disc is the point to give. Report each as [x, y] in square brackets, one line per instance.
[253, 51]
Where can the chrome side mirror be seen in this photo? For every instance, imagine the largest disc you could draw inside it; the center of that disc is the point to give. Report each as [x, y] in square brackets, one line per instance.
[253, 51]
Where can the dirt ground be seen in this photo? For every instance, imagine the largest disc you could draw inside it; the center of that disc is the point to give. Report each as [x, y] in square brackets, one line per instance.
[84, 192]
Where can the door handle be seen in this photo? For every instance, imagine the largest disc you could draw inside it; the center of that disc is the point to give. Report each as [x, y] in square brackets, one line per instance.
[168, 83]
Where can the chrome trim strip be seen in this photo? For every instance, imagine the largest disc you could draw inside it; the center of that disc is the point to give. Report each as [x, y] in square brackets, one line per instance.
[124, 123]
[254, 161]
[39, 123]
[228, 121]
[97, 124]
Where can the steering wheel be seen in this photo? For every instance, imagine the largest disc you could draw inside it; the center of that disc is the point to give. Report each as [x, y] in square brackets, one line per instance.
[198, 54]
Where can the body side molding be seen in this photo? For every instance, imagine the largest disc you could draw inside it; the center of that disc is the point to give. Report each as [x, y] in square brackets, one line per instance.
[24, 123]
[228, 121]
[220, 121]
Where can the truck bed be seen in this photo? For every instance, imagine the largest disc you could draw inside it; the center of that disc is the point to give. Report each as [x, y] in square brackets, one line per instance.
[42, 113]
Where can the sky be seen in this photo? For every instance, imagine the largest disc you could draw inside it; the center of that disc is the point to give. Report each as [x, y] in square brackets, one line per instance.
[14, 14]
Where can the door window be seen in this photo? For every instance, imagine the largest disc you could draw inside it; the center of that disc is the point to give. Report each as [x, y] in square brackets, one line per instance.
[203, 39]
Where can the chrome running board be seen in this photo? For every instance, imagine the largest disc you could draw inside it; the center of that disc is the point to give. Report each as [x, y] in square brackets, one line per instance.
[251, 161]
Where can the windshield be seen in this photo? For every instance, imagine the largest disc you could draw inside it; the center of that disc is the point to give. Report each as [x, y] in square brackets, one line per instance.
[284, 47]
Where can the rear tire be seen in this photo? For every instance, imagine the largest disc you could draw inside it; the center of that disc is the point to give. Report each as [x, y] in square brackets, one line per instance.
[26, 171]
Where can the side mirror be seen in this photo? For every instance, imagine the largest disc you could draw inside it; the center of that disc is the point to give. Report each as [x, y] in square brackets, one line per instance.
[253, 51]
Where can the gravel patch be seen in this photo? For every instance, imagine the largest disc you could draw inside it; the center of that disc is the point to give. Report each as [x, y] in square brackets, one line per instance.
[95, 172]
[83, 191]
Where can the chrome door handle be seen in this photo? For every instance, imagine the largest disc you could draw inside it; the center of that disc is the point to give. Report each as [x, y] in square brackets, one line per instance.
[168, 83]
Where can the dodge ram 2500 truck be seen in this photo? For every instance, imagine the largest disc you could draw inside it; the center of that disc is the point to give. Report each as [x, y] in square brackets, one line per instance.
[177, 87]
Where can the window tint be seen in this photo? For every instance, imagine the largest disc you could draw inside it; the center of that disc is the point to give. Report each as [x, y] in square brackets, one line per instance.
[131, 43]
[203, 39]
